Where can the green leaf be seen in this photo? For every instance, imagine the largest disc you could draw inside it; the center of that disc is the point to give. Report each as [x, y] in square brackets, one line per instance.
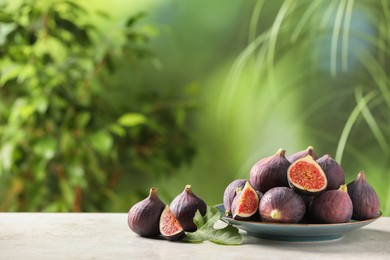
[228, 235]
[101, 141]
[132, 119]
[46, 147]
[6, 152]
[132, 20]
[67, 191]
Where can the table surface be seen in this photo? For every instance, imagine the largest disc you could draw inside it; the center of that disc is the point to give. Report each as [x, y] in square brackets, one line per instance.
[107, 236]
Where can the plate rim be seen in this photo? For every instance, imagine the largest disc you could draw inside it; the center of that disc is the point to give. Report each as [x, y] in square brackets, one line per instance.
[351, 222]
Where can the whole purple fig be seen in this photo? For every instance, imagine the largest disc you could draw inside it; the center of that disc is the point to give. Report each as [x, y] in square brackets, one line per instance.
[270, 172]
[281, 205]
[332, 206]
[230, 193]
[333, 171]
[300, 154]
[184, 207]
[144, 216]
[364, 198]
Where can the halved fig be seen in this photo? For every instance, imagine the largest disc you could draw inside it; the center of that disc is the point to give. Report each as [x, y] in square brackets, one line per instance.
[170, 227]
[306, 176]
[230, 193]
[246, 202]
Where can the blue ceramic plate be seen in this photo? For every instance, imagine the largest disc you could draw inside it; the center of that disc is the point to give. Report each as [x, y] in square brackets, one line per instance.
[296, 232]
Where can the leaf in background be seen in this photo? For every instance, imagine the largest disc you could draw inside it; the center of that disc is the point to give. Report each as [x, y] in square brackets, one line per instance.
[101, 141]
[132, 20]
[46, 147]
[132, 119]
[228, 235]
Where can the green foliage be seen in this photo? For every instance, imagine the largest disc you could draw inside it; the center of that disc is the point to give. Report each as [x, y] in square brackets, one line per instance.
[206, 231]
[71, 137]
[324, 65]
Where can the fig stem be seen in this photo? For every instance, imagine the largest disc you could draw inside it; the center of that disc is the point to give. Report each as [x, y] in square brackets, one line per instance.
[281, 152]
[343, 188]
[188, 188]
[361, 175]
[153, 192]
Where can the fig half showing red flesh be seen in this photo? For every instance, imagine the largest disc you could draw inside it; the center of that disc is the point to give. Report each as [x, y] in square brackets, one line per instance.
[306, 177]
[230, 193]
[246, 202]
[170, 227]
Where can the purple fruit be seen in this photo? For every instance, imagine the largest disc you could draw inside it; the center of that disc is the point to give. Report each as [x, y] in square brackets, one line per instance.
[332, 206]
[298, 155]
[184, 207]
[365, 200]
[246, 202]
[170, 227]
[281, 205]
[143, 217]
[333, 171]
[230, 193]
[270, 172]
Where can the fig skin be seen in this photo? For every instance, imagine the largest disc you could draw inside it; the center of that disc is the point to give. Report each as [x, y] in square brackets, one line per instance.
[281, 205]
[365, 200]
[143, 217]
[246, 203]
[270, 172]
[333, 171]
[307, 218]
[332, 206]
[230, 192]
[302, 182]
[184, 207]
[169, 226]
[300, 154]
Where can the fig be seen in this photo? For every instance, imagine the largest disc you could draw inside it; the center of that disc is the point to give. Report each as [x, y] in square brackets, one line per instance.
[184, 207]
[143, 217]
[298, 155]
[365, 200]
[333, 171]
[306, 177]
[332, 206]
[230, 193]
[246, 202]
[270, 172]
[307, 199]
[170, 227]
[281, 205]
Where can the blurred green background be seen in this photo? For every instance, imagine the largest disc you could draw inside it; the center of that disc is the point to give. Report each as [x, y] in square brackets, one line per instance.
[99, 101]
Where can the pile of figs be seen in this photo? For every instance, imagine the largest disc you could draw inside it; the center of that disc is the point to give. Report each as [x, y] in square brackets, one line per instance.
[300, 188]
[151, 217]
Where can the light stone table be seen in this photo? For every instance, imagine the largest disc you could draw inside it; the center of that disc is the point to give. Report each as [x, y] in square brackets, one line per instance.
[107, 236]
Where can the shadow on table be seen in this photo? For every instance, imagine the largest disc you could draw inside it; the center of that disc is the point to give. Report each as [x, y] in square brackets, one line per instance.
[362, 241]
